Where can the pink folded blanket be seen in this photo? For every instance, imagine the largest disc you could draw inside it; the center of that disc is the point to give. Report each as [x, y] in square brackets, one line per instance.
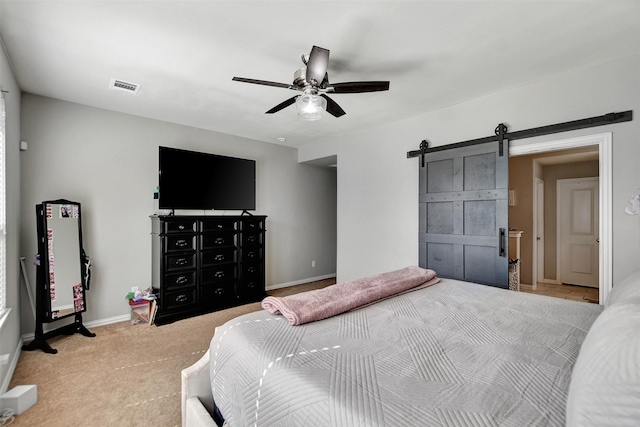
[322, 303]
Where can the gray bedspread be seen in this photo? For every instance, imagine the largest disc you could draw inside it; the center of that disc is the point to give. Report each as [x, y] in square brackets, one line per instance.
[453, 354]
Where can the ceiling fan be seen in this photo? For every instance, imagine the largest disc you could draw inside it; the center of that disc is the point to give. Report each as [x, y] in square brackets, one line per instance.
[313, 81]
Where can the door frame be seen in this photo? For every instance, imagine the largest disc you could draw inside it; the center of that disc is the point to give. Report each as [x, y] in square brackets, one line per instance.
[605, 151]
[537, 266]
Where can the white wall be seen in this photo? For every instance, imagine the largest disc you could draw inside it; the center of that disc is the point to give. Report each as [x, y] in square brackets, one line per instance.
[108, 161]
[378, 185]
[10, 332]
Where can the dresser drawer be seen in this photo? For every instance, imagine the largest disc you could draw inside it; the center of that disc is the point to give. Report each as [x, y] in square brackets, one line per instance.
[252, 254]
[180, 242]
[180, 226]
[182, 299]
[218, 239]
[218, 294]
[219, 224]
[181, 261]
[254, 224]
[180, 280]
[217, 274]
[218, 256]
[251, 288]
[252, 270]
[252, 238]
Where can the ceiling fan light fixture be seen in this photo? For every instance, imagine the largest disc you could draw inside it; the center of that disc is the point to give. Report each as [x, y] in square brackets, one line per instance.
[311, 106]
[313, 81]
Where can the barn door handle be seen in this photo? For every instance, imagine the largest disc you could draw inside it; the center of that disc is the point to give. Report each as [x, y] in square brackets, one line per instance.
[503, 242]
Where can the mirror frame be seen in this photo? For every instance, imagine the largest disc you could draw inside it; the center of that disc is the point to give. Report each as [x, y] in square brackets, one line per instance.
[44, 282]
[43, 296]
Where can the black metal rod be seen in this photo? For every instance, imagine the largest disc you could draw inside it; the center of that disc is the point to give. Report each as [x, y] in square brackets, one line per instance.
[607, 119]
[454, 145]
[611, 118]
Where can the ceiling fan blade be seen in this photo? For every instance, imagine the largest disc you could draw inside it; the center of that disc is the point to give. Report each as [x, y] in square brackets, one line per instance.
[263, 82]
[282, 105]
[358, 87]
[332, 107]
[317, 65]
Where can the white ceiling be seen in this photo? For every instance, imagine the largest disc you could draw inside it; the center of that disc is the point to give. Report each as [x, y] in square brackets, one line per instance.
[184, 54]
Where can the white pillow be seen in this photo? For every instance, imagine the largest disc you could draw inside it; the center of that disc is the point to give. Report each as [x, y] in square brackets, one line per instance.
[605, 382]
[626, 291]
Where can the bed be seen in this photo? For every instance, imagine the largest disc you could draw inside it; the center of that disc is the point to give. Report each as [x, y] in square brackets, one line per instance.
[451, 354]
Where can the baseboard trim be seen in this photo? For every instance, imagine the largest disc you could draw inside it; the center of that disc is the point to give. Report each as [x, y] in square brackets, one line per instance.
[11, 369]
[300, 282]
[108, 321]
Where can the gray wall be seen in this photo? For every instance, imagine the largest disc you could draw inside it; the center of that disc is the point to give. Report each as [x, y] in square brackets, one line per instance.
[108, 161]
[378, 185]
[10, 332]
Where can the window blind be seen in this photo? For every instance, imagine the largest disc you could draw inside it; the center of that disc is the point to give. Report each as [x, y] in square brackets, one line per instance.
[3, 216]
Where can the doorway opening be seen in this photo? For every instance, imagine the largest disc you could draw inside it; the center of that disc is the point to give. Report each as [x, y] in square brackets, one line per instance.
[524, 214]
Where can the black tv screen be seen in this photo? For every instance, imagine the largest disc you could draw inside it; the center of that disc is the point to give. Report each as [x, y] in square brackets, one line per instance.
[193, 180]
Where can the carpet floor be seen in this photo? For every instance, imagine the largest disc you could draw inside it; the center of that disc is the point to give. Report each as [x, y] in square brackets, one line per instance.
[126, 375]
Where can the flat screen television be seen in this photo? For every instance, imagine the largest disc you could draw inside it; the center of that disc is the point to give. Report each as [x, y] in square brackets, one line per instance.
[193, 180]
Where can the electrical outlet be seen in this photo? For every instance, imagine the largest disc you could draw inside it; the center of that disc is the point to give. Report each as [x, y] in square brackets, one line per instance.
[313, 264]
[4, 359]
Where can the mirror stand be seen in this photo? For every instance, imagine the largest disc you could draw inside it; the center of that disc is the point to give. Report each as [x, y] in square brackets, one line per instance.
[41, 337]
[61, 273]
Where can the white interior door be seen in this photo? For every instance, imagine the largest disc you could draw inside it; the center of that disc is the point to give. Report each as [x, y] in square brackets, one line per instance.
[578, 231]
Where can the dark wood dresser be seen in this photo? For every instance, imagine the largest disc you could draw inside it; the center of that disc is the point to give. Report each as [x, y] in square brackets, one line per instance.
[202, 264]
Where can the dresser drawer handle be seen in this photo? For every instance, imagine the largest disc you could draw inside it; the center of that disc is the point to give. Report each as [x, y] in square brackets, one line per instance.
[220, 226]
[180, 280]
[181, 227]
[181, 298]
[251, 285]
[181, 243]
[219, 257]
[182, 261]
[219, 241]
[219, 274]
[252, 239]
[251, 270]
[219, 291]
[251, 255]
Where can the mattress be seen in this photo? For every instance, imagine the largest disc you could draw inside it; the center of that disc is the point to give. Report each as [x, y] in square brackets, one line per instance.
[453, 354]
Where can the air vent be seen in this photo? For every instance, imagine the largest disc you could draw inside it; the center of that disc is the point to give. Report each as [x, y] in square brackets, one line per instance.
[126, 86]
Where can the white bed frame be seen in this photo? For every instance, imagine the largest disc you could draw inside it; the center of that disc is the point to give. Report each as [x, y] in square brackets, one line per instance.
[197, 399]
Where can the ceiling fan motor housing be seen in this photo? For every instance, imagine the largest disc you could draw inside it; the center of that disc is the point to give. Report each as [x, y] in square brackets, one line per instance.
[299, 77]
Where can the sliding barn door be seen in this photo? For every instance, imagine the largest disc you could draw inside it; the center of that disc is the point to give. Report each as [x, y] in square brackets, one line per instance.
[464, 214]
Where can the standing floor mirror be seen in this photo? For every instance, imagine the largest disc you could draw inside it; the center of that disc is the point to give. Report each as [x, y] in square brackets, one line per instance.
[61, 274]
